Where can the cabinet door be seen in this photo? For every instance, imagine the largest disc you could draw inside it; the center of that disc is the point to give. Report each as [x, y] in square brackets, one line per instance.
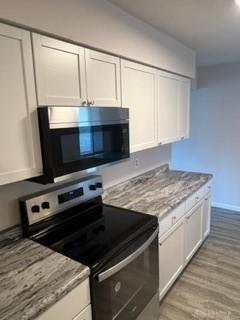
[184, 91]
[193, 231]
[167, 108]
[206, 215]
[173, 107]
[103, 79]
[139, 95]
[19, 140]
[171, 258]
[86, 314]
[60, 72]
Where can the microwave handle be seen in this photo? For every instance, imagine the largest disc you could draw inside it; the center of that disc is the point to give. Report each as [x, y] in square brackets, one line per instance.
[119, 266]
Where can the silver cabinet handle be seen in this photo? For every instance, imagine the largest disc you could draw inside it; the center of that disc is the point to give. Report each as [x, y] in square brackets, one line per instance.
[119, 266]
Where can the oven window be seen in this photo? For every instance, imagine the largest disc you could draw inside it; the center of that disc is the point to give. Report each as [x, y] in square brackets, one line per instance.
[77, 149]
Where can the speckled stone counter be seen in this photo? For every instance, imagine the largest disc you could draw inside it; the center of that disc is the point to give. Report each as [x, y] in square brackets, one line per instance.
[155, 192]
[32, 277]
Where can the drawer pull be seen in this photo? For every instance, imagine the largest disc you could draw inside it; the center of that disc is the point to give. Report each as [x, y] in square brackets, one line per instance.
[174, 220]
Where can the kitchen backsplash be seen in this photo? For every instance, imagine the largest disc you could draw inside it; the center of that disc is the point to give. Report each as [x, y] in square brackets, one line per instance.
[140, 162]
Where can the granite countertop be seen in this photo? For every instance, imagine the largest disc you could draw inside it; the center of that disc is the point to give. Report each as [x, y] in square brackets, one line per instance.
[155, 192]
[33, 277]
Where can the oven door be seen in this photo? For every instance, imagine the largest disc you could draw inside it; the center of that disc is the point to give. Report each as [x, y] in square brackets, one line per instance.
[75, 149]
[125, 286]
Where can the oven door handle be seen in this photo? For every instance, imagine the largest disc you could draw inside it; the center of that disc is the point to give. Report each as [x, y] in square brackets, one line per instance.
[119, 266]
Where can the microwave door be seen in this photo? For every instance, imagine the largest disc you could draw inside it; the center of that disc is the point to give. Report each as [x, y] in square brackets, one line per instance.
[76, 149]
[71, 144]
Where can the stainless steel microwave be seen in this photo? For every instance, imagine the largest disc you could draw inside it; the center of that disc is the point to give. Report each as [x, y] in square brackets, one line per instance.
[79, 138]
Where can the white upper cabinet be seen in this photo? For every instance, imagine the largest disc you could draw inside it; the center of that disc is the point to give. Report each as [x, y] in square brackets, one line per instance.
[139, 85]
[167, 108]
[19, 138]
[173, 107]
[103, 79]
[60, 72]
[67, 74]
[184, 94]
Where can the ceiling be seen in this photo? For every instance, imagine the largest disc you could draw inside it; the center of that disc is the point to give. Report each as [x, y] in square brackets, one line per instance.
[210, 27]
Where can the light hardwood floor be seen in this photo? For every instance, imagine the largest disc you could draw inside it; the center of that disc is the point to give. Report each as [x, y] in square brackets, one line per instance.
[209, 288]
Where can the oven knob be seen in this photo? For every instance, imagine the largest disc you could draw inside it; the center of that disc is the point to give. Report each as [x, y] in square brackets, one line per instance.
[92, 187]
[45, 205]
[35, 209]
[99, 184]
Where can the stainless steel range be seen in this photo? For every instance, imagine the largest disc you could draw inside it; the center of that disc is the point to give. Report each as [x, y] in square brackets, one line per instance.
[119, 246]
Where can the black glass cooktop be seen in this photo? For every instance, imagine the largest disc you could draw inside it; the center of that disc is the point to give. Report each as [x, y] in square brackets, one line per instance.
[92, 233]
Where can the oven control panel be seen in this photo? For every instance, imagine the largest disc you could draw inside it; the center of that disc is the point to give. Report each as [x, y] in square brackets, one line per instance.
[42, 205]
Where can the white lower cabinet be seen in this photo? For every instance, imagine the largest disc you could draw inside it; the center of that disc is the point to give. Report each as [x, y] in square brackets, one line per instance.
[193, 231]
[181, 234]
[86, 314]
[74, 306]
[171, 257]
[206, 215]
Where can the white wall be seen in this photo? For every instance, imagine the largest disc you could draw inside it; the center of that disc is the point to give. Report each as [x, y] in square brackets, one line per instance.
[100, 24]
[148, 159]
[214, 145]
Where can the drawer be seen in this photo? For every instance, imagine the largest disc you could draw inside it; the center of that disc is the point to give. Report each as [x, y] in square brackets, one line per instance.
[169, 221]
[198, 195]
[86, 314]
[193, 199]
[208, 188]
[71, 305]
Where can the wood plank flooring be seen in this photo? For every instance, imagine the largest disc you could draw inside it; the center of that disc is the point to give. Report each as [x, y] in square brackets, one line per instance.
[209, 288]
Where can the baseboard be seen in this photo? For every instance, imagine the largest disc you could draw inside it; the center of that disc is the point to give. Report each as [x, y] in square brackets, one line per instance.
[226, 206]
